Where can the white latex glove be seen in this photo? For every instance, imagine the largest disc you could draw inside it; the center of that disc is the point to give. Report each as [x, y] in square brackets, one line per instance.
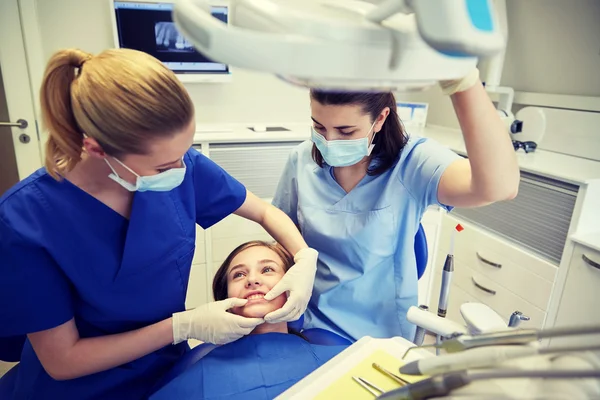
[212, 323]
[298, 282]
[450, 87]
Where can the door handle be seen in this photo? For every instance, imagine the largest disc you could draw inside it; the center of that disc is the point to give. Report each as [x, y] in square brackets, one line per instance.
[488, 262]
[590, 262]
[478, 286]
[21, 123]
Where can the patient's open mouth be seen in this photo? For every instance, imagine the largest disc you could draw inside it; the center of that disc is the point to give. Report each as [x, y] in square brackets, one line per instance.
[255, 296]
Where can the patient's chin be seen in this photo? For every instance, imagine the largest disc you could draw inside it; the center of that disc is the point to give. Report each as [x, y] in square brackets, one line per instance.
[257, 310]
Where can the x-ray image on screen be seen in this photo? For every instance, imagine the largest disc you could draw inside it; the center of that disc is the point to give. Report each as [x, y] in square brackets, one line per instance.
[169, 39]
[149, 27]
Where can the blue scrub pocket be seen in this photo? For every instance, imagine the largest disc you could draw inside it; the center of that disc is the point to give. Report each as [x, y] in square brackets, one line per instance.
[355, 285]
[184, 265]
[350, 243]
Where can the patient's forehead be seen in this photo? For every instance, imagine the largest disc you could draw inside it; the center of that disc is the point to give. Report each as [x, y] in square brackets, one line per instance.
[252, 255]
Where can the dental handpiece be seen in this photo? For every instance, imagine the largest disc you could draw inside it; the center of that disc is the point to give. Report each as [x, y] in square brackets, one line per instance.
[521, 336]
[461, 342]
[443, 385]
[446, 280]
[473, 358]
[447, 275]
[482, 357]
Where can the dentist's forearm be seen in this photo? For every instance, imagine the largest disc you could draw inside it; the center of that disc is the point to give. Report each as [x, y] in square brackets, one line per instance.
[494, 167]
[64, 355]
[283, 230]
[274, 221]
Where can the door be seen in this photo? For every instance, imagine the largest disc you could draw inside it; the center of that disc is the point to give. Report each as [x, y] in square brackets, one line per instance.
[20, 153]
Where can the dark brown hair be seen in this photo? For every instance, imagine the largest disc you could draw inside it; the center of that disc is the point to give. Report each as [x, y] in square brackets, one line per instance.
[220, 279]
[392, 138]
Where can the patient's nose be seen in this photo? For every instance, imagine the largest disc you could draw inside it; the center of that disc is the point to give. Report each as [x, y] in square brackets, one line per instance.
[253, 280]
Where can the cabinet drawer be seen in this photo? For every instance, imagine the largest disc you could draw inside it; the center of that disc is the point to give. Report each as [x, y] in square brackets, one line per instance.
[499, 298]
[581, 295]
[523, 273]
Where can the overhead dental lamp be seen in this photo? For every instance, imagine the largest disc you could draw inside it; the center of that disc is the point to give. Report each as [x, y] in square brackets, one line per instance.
[401, 45]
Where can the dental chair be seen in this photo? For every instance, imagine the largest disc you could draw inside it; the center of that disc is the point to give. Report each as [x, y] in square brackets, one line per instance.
[314, 336]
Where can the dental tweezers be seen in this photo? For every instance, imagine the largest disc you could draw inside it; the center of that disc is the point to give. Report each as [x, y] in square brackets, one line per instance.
[374, 390]
[391, 375]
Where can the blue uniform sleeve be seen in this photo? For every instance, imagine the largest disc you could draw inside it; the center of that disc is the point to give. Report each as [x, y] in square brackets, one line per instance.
[217, 193]
[34, 292]
[286, 195]
[421, 169]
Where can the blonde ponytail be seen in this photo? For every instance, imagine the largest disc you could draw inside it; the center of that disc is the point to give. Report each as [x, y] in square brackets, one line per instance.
[65, 138]
[122, 98]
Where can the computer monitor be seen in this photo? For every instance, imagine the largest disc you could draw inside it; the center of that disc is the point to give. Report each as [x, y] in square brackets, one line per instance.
[148, 26]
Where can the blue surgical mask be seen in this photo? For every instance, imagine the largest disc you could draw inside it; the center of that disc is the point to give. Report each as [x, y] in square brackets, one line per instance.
[343, 152]
[162, 182]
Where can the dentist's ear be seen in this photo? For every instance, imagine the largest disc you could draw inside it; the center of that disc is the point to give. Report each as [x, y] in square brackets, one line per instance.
[381, 119]
[93, 148]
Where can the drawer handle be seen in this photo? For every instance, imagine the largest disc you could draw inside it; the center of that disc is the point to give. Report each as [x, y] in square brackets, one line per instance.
[478, 286]
[590, 262]
[488, 262]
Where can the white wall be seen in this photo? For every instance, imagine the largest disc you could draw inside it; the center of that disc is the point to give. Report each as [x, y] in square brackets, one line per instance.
[553, 47]
[250, 97]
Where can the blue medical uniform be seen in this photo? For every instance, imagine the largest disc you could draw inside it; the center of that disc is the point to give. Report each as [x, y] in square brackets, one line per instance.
[366, 275]
[253, 367]
[64, 254]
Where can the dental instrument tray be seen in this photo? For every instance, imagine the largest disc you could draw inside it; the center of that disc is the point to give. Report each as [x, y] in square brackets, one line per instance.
[368, 360]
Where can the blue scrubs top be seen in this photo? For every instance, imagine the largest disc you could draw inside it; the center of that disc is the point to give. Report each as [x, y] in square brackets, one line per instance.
[251, 368]
[366, 276]
[64, 254]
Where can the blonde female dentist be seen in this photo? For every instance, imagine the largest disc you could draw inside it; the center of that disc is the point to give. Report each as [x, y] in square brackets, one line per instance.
[96, 248]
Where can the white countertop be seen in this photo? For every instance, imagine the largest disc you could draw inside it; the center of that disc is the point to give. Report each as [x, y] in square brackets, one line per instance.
[239, 133]
[591, 240]
[562, 167]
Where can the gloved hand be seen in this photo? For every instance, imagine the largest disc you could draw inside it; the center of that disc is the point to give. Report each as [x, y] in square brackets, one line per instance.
[212, 323]
[298, 281]
[451, 87]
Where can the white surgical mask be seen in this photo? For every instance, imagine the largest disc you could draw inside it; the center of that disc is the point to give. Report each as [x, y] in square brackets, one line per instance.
[162, 182]
[343, 152]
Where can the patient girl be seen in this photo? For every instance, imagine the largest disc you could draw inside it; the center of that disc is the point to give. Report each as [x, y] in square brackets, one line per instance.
[250, 271]
[258, 366]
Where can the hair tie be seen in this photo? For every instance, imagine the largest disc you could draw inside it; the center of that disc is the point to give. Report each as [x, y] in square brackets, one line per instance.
[80, 65]
[84, 60]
